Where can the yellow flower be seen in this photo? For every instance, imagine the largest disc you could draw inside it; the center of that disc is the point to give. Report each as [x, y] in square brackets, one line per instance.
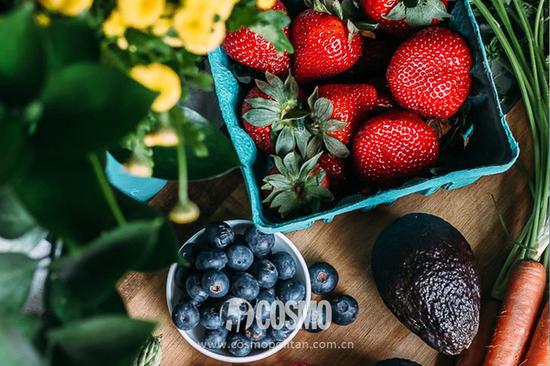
[174, 42]
[200, 24]
[113, 25]
[67, 7]
[162, 137]
[161, 26]
[140, 13]
[184, 214]
[42, 19]
[138, 168]
[162, 79]
[122, 43]
[265, 4]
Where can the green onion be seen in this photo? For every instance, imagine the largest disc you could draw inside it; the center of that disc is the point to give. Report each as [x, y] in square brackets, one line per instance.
[528, 63]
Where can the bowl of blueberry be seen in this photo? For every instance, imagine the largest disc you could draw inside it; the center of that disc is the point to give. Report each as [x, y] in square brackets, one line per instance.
[229, 301]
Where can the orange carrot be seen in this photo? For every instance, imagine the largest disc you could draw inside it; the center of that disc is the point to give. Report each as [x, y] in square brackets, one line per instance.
[539, 349]
[518, 315]
[475, 354]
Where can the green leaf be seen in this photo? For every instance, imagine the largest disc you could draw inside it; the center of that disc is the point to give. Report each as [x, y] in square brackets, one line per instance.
[69, 41]
[420, 15]
[22, 61]
[335, 146]
[16, 272]
[65, 199]
[103, 340]
[285, 141]
[270, 25]
[14, 148]
[165, 250]
[89, 276]
[88, 107]
[322, 109]
[219, 159]
[14, 218]
[16, 348]
[260, 117]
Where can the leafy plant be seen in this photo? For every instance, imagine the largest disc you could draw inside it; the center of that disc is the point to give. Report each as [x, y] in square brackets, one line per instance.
[71, 90]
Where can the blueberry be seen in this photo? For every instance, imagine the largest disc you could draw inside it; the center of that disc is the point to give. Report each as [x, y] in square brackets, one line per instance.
[235, 312]
[263, 301]
[316, 319]
[211, 259]
[265, 343]
[264, 272]
[180, 276]
[286, 267]
[239, 257]
[194, 288]
[219, 234]
[324, 278]
[260, 243]
[283, 332]
[210, 316]
[255, 332]
[215, 283]
[185, 316]
[245, 286]
[238, 345]
[344, 309]
[291, 290]
[215, 338]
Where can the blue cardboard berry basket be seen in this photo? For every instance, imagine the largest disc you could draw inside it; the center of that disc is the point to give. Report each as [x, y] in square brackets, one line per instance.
[491, 149]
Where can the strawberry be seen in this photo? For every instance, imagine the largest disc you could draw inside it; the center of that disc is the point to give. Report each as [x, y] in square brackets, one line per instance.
[337, 171]
[271, 114]
[336, 111]
[296, 186]
[323, 44]
[397, 17]
[254, 51]
[430, 73]
[393, 146]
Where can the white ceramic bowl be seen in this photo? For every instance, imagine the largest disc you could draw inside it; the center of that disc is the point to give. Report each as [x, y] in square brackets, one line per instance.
[193, 337]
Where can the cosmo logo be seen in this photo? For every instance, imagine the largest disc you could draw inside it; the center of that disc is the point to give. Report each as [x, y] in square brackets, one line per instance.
[240, 314]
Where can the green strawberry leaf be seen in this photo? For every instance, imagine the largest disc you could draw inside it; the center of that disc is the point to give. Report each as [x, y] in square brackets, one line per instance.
[322, 109]
[285, 141]
[270, 24]
[335, 146]
[260, 117]
[420, 14]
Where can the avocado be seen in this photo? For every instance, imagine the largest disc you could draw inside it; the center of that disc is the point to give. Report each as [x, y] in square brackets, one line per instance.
[397, 362]
[425, 273]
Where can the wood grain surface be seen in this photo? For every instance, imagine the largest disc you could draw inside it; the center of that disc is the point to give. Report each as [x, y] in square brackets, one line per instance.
[346, 243]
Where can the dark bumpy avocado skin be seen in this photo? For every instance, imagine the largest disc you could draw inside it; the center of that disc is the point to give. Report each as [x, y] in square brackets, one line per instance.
[424, 270]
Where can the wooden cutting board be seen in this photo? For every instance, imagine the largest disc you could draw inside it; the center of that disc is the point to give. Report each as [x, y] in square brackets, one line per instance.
[346, 243]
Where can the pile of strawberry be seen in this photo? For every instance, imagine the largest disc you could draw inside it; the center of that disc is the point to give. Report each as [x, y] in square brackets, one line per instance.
[330, 122]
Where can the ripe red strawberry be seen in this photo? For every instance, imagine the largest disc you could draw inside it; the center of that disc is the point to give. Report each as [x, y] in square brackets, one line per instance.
[323, 46]
[295, 186]
[397, 17]
[351, 104]
[430, 73]
[265, 114]
[337, 170]
[393, 146]
[253, 50]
